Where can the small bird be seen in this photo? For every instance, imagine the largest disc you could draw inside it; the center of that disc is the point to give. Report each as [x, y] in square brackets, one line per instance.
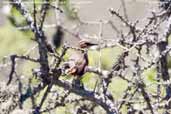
[79, 64]
[77, 67]
[79, 59]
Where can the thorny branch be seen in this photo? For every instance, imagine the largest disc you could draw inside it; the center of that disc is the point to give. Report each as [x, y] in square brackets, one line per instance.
[130, 66]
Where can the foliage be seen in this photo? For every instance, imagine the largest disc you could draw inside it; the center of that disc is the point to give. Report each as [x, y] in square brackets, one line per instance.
[129, 74]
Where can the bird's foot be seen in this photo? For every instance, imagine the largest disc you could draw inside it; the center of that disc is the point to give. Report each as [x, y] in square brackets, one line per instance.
[77, 83]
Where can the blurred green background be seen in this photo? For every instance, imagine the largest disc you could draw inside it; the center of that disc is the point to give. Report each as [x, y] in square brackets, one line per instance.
[15, 41]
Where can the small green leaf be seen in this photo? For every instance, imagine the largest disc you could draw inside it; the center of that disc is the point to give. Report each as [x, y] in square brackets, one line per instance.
[150, 75]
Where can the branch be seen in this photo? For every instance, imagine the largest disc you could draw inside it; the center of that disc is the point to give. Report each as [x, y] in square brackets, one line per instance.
[12, 69]
[107, 104]
[39, 34]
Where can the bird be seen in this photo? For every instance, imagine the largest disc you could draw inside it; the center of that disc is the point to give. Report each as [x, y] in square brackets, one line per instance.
[78, 62]
[76, 67]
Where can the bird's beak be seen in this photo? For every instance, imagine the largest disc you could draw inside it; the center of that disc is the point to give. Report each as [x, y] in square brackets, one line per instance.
[86, 44]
